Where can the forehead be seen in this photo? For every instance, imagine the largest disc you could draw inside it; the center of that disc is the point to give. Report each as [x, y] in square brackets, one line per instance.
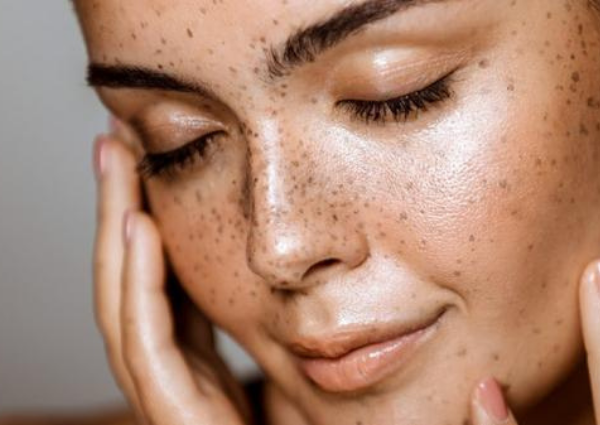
[229, 26]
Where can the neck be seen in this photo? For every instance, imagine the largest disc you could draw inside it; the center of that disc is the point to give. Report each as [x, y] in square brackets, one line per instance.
[570, 403]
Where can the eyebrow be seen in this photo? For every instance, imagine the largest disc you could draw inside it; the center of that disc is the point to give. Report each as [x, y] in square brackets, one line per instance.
[300, 48]
[306, 44]
[124, 76]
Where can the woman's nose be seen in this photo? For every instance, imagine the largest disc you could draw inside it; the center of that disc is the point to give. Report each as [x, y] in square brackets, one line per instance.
[300, 229]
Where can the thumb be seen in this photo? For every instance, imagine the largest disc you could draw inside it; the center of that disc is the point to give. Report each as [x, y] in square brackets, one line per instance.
[488, 406]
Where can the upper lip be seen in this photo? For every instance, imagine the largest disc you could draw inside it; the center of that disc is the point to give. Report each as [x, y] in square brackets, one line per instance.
[337, 344]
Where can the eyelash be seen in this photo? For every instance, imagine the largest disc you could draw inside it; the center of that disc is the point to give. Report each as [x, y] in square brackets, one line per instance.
[400, 108]
[168, 163]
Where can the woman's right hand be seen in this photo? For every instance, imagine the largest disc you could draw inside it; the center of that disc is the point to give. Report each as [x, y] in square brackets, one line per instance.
[134, 313]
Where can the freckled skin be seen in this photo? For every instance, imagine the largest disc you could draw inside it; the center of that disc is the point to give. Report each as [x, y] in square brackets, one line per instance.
[302, 219]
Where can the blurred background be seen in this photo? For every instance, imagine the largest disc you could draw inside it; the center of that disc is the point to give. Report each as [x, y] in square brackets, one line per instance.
[51, 355]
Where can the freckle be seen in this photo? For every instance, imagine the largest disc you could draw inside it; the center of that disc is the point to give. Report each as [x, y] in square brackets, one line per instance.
[190, 33]
[510, 87]
[503, 184]
[537, 331]
[457, 273]
[575, 77]
[484, 63]
[462, 352]
[471, 238]
[496, 357]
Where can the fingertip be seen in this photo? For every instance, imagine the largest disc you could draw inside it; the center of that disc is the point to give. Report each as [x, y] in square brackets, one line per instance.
[591, 276]
[100, 160]
[489, 396]
[146, 222]
[589, 288]
[128, 226]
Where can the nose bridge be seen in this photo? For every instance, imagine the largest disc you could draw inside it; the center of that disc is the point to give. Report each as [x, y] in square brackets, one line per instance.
[294, 230]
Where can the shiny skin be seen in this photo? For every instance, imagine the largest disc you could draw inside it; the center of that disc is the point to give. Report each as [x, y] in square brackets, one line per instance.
[304, 221]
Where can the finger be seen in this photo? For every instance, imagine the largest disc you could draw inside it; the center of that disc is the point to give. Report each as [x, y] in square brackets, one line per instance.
[165, 384]
[488, 405]
[121, 131]
[118, 192]
[589, 298]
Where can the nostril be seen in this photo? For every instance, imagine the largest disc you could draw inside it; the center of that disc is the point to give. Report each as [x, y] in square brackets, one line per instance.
[321, 265]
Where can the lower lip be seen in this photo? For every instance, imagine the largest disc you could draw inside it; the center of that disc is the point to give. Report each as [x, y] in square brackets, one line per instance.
[365, 366]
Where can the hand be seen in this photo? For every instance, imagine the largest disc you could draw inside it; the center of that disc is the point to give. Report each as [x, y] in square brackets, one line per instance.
[488, 405]
[164, 382]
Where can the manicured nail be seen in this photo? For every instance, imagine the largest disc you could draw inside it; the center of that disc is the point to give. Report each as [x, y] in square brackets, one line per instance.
[100, 156]
[489, 395]
[128, 226]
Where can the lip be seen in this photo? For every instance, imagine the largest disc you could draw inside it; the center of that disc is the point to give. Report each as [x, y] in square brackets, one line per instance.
[350, 362]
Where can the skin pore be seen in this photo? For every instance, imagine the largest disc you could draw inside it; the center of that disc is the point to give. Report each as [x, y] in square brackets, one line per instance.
[316, 213]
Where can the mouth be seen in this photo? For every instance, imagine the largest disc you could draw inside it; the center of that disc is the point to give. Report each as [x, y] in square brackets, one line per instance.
[355, 361]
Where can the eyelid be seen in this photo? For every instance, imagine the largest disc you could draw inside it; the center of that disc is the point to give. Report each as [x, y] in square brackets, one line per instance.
[401, 107]
[168, 133]
[391, 73]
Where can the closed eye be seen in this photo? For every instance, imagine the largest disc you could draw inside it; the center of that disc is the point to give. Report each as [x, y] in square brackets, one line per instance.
[399, 109]
[166, 164]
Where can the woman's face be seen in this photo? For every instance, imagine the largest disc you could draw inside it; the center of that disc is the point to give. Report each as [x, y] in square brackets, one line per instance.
[371, 167]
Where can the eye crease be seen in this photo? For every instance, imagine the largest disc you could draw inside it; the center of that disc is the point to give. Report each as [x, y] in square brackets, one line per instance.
[399, 109]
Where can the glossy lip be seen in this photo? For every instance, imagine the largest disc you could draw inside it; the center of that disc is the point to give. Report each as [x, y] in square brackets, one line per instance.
[352, 362]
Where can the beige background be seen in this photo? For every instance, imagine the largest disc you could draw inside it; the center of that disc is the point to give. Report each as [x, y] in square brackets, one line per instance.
[51, 356]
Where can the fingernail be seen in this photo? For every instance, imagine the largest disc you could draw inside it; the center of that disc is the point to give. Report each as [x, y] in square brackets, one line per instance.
[100, 156]
[491, 399]
[128, 226]
[594, 275]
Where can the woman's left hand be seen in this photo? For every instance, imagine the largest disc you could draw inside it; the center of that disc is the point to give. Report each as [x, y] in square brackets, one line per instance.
[489, 406]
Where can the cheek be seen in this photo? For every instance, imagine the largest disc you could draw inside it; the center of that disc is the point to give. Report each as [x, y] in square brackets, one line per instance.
[204, 233]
